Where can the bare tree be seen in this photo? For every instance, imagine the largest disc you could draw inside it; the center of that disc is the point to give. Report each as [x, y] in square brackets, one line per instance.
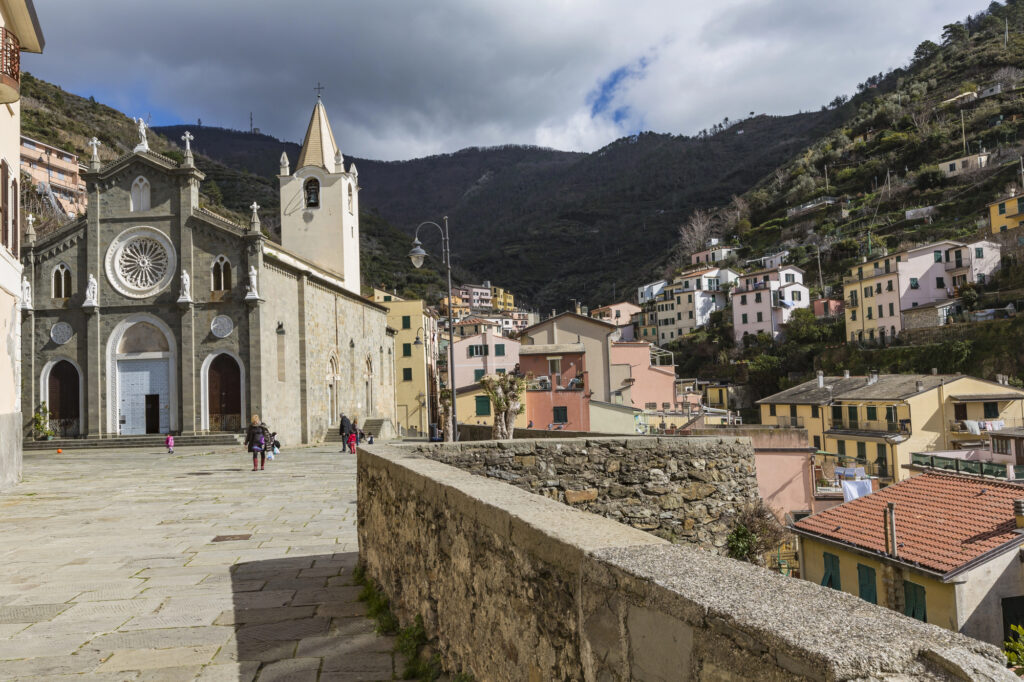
[446, 415]
[922, 120]
[506, 394]
[1008, 75]
[699, 227]
[735, 211]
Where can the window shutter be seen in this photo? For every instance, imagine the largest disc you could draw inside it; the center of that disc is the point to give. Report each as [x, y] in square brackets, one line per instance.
[5, 232]
[866, 583]
[16, 228]
[831, 578]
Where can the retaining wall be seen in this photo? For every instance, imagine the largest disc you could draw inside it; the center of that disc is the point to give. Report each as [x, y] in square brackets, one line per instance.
[681, 489]
[513, 586]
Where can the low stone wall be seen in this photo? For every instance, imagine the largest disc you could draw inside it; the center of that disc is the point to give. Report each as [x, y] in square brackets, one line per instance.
[512, 586]
[680, 489]
[476, 432]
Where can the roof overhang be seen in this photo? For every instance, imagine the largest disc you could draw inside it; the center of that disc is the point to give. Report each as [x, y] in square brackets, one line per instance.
[985, 397]
[21, 18]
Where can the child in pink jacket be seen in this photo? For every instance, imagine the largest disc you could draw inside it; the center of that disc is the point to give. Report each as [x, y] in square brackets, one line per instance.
[169, 442]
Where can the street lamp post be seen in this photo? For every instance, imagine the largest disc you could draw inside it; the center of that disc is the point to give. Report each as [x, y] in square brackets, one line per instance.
[417, 255]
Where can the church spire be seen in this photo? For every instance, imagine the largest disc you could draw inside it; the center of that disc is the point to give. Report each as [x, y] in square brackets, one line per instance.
[319, 147]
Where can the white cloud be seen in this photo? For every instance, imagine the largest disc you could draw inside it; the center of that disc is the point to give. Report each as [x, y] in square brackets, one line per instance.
[406, 79]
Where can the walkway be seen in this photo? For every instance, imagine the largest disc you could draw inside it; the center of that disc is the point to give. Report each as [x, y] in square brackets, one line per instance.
[136, 565]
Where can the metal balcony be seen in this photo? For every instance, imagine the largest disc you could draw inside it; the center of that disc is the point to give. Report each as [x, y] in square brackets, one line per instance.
[10, 67]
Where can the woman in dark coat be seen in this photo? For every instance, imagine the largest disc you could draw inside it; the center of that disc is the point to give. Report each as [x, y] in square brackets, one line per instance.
[256, 442]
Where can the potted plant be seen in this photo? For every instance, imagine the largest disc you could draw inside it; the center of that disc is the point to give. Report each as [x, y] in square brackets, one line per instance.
[41, 423]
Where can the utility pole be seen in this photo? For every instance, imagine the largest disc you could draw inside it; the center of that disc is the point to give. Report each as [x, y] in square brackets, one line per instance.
[963, 131]
[250, 123]
[821, 281]
[1006, 34]
[826, 178]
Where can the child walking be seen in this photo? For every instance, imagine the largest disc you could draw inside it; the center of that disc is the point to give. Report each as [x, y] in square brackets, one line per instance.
[169, 442]
[256, 442]
[353, 437]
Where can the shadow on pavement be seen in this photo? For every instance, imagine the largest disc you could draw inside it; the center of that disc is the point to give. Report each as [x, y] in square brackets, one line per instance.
[299, 618]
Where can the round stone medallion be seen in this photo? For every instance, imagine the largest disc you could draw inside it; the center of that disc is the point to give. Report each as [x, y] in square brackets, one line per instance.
[221, 326]
[61, 333]
[140, 262]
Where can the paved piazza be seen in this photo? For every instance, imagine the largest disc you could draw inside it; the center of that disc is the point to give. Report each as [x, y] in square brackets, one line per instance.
[111, 568]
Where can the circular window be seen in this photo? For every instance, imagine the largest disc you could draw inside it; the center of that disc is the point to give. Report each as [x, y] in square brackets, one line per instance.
[221, 326]
[61, 333]
[140, 262]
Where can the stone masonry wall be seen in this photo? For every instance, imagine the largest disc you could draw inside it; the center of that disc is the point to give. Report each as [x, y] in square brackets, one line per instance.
[681, 489]
[512, 586]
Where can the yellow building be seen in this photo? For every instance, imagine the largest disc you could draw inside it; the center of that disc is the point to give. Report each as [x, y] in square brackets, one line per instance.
[502, 300]
[473, 406]
[460, 308]
[871, 295]
[416, 353]
[940, 548]
[1006, 214]
[878, 421]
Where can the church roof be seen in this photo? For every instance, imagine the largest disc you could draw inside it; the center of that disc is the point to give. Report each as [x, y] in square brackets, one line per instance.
[319, 147]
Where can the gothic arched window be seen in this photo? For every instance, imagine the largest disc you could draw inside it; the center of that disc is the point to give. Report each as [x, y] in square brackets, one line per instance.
[312, 188]
[351, 199]
[140, 195]
[220, 274]
[62, 281]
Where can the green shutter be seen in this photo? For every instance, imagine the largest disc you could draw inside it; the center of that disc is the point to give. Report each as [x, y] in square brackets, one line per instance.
[915, 601]
[991, 410]
[560, 415]
[872, 413]
[478, 374]
[406, 350]
[866, 583]
[483, 406]
[499, 349]
[406, 322]
[831, 577]
[406, 374]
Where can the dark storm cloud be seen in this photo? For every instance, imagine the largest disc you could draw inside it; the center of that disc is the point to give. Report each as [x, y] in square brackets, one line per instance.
[411, 78]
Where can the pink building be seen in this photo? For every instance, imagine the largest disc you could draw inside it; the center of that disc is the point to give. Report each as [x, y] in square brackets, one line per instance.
[485, 353]
[471, 326]
[558, 392]
[619, 314]
[637, 380]
[715, 253]
[763, 301]
[827, 307]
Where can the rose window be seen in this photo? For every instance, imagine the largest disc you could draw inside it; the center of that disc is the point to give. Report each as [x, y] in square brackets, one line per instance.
[142, 262]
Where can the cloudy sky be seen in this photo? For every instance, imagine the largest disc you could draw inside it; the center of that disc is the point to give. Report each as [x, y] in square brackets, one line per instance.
[407, 78]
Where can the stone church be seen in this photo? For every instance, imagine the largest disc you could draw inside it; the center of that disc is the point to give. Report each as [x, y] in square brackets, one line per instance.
[152, 314]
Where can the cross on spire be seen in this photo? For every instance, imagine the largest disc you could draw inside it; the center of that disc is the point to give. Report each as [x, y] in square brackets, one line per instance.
[187, 137]
[255, 207]
[318, 89]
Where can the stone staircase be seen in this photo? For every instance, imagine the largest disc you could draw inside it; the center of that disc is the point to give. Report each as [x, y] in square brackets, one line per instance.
[148, 441]
[371, 427]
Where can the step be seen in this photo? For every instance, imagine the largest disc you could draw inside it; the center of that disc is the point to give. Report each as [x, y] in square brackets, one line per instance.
[152, 441]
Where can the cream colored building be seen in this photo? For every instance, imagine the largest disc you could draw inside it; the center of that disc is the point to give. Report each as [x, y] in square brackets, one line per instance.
[319, 197]
[416, 352]
[20, 32]
[878, 421]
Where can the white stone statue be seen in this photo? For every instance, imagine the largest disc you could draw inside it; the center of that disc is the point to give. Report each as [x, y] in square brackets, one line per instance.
[253, 293]
[186, 288]
[95, 144]
[26, 294]
[91, 292]
[143, 145]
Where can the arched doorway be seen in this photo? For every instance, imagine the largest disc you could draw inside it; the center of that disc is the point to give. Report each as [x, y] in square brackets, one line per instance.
[63, 398]
[142, 395]
[224, 394]
[369, 385]
[332, 392]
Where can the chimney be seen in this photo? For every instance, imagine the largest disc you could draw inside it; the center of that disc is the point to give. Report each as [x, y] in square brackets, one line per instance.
[846, 374]
[821, 379]
[889, 514]
[920, 385]
[1018, 512]
[935, 371]
[872, 377]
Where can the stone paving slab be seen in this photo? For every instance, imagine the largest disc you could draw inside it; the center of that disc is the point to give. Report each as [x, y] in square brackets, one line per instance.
[111, 571]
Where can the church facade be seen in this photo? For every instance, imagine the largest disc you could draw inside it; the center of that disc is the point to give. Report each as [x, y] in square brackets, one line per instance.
[152, 314]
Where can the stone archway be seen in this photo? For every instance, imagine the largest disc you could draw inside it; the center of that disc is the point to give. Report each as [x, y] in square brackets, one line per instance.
[224, 394]
[142, 391]
[333, 403]
[62, 393]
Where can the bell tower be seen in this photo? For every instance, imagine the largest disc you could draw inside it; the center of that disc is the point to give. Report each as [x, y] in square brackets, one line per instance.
[320, 203]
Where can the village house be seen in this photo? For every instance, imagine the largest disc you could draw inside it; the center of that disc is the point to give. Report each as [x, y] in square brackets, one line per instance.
[714, 253]
[878, 421]
[1006, 214]
[619, 314]
[941, 548]
[763, 301]
[557, 393]
[502, 300]
[964, 164]
[473, 406]
[488, 352]
[55, 174]
[827, 307]
[649, 292]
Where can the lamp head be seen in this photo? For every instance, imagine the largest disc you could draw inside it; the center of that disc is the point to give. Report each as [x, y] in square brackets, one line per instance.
[417, 342]
[417, 254]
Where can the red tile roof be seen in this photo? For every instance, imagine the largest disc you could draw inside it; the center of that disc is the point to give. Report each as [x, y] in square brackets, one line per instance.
[942, 521]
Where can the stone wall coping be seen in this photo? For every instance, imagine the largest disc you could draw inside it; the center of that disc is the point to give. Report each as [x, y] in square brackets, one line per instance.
[810, 631]
[530, 444]
[554, 532]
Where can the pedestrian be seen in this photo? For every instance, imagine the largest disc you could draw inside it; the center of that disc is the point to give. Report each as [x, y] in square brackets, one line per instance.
[256, 442]
[352, 437]
[169, 442]
[344, 429]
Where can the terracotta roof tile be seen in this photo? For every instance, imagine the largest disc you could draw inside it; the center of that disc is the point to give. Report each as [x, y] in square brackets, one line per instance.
[942, 521]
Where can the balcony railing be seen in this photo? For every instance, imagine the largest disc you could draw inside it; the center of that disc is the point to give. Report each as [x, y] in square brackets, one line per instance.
[10, 67]
[968, 466]
[957, 264]
[795, 422]
[902, 427]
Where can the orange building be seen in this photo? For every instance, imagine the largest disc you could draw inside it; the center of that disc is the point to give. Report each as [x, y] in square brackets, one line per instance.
[56, 169]
[558, 389]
